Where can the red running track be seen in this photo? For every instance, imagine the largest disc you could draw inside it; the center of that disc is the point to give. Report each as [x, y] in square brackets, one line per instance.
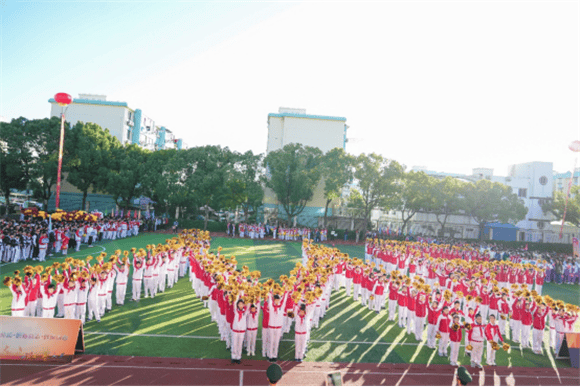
[130, 371]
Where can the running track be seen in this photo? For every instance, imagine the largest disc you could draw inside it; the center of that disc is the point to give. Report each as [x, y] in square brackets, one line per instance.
[121, 370]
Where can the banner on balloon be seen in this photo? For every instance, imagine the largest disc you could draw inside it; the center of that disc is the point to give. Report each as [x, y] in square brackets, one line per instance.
[37, 338]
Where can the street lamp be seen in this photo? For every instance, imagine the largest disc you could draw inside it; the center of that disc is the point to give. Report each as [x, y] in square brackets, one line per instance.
[63, 99]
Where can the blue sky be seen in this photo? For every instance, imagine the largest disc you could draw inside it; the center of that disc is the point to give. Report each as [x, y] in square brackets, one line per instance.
[447, 85]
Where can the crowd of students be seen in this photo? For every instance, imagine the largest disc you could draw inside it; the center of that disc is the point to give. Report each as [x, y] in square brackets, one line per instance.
[454, 295]
[260, 231]
[83, 289]
[31, 239]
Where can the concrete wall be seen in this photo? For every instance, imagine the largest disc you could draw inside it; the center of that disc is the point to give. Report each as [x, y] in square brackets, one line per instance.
[109, 117]
[325, 134]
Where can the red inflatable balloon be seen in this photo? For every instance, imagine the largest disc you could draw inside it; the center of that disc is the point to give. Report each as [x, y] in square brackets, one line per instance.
[63, 99]
[574, 146]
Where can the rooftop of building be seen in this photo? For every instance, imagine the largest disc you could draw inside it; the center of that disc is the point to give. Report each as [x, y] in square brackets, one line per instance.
[301, 113]
[90, 101]
[566, 175]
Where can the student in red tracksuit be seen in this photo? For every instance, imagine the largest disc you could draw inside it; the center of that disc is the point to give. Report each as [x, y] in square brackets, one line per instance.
[379, 294]
[265, 331]
[503, 309]
[540, 313]
[526, 315]
[539, 277]
[443, 324]
[357, 280]
[455, 336]
[433, 311]
[516, 320]
[411, 295]
[420, 314]
[492, 333]
[349, 274]
[229, 320]
[393, 298]
[493, 299]
[402, 301]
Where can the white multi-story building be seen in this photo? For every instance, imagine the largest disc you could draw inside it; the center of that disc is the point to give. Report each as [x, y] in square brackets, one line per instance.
[295, 126]
[129, 126]
[561, 180]
[533, 183]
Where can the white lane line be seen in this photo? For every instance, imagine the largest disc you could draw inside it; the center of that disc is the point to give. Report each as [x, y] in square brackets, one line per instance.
[241, 378]
[258, 338]
[218, 338]
[387, 371]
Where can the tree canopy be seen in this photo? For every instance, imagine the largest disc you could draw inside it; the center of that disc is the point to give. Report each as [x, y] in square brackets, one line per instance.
[294, 172]
[488, 202]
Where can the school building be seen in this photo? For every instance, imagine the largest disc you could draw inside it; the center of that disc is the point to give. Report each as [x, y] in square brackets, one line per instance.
[128, 125]
[296, 126]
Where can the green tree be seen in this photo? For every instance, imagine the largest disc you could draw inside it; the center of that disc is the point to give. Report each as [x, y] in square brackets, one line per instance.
[488, 202]
[243, 182]
[211, 165]
[294, 173]
[378, 181]
[127, 175]
[178, 189]
[16, 157]
[43, 136]
[413, 195]
[337, 171]
[447, 199]
[558, 205]
[91, 157]
[156, 177]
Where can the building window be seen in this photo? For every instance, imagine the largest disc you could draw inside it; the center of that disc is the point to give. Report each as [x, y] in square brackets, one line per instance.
[523, 192]
[543, 180]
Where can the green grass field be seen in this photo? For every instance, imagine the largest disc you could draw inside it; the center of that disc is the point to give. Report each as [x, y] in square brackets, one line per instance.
[175, 324]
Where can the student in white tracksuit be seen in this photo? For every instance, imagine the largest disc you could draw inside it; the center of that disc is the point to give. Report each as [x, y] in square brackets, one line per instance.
[110, 283]
[102, 294]
[92, 299]
[492, 333]
[302, 317]
[171, 263]
[182, 263]
[49, 296]
[252, 328]
[82, 294]
[138, 269]
[476, 338]
[149, 282]
[18, 300]
[162, 277]
[239, 325]
[70, 298]
[276, 318]
[121, 281]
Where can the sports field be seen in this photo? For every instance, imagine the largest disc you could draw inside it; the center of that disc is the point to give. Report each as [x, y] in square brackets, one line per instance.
[175, 324]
